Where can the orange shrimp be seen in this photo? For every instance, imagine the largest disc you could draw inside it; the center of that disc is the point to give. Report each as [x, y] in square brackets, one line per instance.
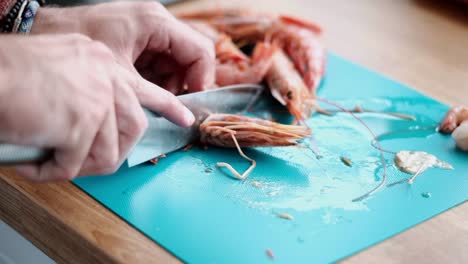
[218, 129]
[305, 50]
[213, 14]
[234, 72]
[453, 119]
[224, 130]
[299, 38]
[288, 88]
[233, 66]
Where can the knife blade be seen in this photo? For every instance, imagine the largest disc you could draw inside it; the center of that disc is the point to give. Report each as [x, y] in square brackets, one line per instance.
[162, 136]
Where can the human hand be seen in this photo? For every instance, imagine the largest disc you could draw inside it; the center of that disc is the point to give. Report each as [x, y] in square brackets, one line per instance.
[144, 37]
[67, 93]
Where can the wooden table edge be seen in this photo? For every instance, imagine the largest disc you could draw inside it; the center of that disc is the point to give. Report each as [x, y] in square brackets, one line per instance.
[65, 240]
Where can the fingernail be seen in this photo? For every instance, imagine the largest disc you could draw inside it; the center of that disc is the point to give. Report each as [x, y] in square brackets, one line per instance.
[189, 118]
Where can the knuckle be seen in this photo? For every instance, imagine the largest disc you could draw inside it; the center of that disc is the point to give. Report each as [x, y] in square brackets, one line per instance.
[108, 170]
[149, 9]
[151, 6]
[140, 124]
[100, 49]
[94, 116]
[78, 38]
[137, 126]
[206, 49]
[209, 49]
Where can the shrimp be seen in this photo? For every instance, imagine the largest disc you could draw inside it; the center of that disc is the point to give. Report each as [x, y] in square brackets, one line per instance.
[250, 132]
[456, 122]
[299, 38]
[233, 66]
[213, 14]
[288, 88]
[453, 119]
[305, 50]
[224, 130]
[234, 73]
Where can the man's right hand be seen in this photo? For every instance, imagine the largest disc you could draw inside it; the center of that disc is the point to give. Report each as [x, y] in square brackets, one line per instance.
[67, 93]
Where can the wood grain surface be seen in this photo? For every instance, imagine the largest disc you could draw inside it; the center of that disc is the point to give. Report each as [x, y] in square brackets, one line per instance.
[421, 43]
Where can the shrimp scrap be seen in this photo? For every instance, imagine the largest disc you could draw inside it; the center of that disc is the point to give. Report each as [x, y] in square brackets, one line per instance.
[188, 147]
[269, 253]
[285, 216]
[346, 161]
[225, 130]
[256, 184]
[155, 161]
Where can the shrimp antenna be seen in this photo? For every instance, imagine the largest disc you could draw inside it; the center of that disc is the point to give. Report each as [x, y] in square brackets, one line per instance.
[376, 140]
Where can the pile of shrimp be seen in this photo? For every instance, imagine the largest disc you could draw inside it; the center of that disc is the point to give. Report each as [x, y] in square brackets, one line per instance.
[288, 53]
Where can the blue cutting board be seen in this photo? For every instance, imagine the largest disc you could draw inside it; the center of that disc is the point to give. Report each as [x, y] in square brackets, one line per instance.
[201, 215]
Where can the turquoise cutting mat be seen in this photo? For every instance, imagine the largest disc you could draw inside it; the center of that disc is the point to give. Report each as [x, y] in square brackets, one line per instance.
[200, 214]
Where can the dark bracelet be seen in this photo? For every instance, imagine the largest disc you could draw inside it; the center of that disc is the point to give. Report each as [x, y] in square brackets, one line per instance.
[15, 15]
[9, 20]
[5, 7]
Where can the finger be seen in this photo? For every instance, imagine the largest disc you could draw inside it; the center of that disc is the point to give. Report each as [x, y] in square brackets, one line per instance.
[164, 103]
[104, 154]
[28, 171]
[192, 51]
[131, 120]
[199, 76]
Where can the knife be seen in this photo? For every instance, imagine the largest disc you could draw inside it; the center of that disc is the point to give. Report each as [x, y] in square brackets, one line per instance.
[162, 136]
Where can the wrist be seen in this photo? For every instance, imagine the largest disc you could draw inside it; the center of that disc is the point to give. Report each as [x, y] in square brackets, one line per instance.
[8, 80]
[56, 21]
[8, 46]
